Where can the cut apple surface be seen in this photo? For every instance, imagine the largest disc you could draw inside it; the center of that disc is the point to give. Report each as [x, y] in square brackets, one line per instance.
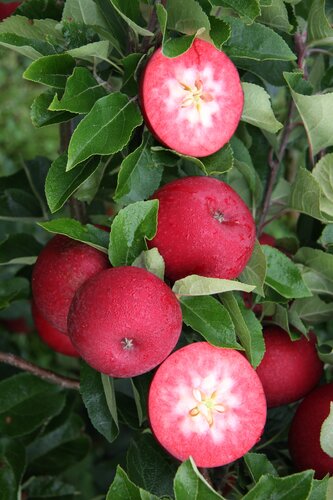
[208, 403]
[124, 321]
[204, 228]
[192, 103]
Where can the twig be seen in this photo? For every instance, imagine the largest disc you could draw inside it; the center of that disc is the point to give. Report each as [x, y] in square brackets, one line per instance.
[53, 378]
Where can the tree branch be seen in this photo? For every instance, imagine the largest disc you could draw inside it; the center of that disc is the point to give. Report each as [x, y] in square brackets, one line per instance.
[53, 378]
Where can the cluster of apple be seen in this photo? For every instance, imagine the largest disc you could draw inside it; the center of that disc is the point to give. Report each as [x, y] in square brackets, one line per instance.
[204, 401]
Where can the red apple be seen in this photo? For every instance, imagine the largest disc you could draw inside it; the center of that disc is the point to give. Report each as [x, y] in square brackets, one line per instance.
[289, 369]
[51, 336]
[208, 403]
[16, 325]
[124, 321]
[61, 268]
[267, 239]
[204, 228]
[192, 103]
[304, 434]
[7, 9]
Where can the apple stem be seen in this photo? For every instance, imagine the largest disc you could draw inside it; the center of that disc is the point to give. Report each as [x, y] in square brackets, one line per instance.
[53, 378]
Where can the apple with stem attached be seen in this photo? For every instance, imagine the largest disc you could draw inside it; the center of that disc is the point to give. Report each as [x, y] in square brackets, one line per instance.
[61, 268]
[206, 402]
[289, 369]
[124, 321]
[192, 103]
[204, 228]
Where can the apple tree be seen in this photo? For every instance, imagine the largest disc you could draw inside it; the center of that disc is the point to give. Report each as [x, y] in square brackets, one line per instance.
[169, 165]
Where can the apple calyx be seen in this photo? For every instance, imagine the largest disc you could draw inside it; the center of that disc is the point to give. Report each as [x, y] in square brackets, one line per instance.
[206, 406]
[127, 344]
[218, 216]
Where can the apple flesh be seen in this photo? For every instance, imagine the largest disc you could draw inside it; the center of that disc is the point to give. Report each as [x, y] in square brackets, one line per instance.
[124, 321]
[192, 103]
[61, 268]
[51, 336]
[7, 9]
[208, 403]
[304, 434]
[204, 228]
[289, 369]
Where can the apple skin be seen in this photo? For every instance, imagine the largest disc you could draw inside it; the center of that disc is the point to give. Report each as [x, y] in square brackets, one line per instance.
[215, 433]
[124, 321]
[61, 268]
[204, 228]
[267, 239]
[192, 129]
[51, 336]
[304, 433]
[7, 9]
[289, 369]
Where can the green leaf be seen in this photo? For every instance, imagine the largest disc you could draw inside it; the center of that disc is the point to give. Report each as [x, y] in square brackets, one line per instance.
[83, 11]
[269, 71]
[130, 12]
[257, 108]
[81, 93]
[208, 317]
[259, 465]
[319, 30]
[326, 238]
[319, 269]
[255, 271]
[312, 310]
[89, 188]
[257, 42]
[248, 328]
[283, 275]
[189, 483]
[122, 488]
[151, 260]
[51, 70]
[297, 486]
[130, 64]
[149, 467]
[60, 185]
[276, 16]
[129, 231]
[248, 10]
[323, 173]
[19, 248]
[47, 487]
[12, 458]
[88, 234]
[200, 285]
[13, 289]
[93, 52]
[33, 49]
[320, 489]
[220, 32]
[180, 20]
[110, 396]
[19, 204]
[106, 129]
[41, 115]
[316, 114]
[139, 175]
[94, 398]
[326, 433]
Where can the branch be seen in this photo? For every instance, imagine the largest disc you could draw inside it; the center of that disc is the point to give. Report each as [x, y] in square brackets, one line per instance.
[53, 378]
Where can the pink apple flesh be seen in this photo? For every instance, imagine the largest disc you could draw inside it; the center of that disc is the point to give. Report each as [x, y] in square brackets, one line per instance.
[124, 321]
[208, 403]
[192, 103]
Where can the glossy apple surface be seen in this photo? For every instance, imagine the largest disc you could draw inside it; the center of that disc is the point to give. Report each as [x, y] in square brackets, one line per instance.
[304, 434]
[208, 403]
[61, 268]
[51, 336]
[124, 321]
[192, 103]
[204, 228]
[289, 369]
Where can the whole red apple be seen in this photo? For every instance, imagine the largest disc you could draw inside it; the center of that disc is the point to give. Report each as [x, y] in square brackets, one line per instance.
[304, 434]
[7, 9]
[208, 403]
[192, 103]
[289, 369]
[124, 321]
[51, 336]
[61, 268]
[204, 228]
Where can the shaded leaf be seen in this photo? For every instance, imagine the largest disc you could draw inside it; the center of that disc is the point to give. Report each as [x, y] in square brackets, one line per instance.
[19, 248]
[151, 260]
[257, 108]
[42, 116]
[326, 434]
[255, 270]
[51, 70]
[189, 483]
[200, 285]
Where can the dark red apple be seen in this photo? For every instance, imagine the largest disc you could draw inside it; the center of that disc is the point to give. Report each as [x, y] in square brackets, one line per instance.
[16, 325]
[204, 228]
[289, 369]
[192, 103]
[51, 336]
[267, 239]
[124, 321]
[7, 9]
[208, 403]
[304, 434]
[61, 268]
